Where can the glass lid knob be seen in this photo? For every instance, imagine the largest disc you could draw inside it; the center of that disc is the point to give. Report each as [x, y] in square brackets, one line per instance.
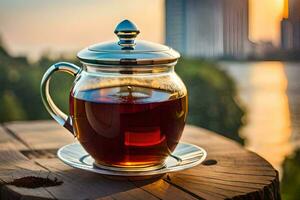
[126, 32]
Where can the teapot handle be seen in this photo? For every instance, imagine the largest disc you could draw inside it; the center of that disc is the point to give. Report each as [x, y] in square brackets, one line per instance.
[54, 111]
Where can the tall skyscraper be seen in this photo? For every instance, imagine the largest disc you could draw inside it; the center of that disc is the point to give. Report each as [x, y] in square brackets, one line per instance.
[286, 34]
[236, 28]
[175, 26]
[203, 32]
[208, 28]
[290, 26]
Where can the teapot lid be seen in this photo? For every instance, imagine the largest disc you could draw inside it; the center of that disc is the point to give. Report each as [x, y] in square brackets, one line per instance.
[128, 50]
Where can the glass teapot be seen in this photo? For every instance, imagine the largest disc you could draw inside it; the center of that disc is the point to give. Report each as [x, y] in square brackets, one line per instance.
[127, 106]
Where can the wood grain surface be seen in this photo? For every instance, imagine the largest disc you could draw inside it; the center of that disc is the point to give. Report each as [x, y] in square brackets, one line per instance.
[229, 172]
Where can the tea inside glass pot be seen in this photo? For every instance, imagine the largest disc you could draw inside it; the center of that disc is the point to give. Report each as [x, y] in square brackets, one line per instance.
[137, 123]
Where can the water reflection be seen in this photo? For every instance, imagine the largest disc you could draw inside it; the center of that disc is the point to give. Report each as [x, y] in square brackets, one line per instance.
[263, 90]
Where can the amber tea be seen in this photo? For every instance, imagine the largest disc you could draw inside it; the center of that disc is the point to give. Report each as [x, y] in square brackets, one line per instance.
[128, 126]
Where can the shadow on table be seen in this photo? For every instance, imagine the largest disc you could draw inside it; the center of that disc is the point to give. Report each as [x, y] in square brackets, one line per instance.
[72, 184]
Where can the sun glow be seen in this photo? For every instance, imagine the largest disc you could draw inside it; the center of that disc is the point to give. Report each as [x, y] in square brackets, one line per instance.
[286, 9]
[266, 15]
[268, 130]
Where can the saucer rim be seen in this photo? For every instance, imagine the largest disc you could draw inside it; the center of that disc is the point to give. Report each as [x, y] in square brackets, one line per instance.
[163, 170]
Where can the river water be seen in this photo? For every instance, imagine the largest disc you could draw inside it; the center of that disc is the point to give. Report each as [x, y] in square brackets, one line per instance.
[270, 93]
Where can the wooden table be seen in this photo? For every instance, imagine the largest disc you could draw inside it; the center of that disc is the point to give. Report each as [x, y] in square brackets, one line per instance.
[28, 149]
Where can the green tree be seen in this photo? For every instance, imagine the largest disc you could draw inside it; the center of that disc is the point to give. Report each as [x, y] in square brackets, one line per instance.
[12, 109]
[291, 177]
[212, 97]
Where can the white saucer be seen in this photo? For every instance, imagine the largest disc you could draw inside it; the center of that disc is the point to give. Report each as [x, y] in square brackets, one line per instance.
[184, 156]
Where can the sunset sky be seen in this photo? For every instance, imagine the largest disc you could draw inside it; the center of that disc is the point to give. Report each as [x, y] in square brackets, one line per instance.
[265, 16]
[33, 26]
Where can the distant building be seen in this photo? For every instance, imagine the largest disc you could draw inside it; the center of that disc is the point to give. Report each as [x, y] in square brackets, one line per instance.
[286, 34]
[236, 28]
[203, 28]
[290, 26]
[263, 49]
[208, 28]
[176, 24]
